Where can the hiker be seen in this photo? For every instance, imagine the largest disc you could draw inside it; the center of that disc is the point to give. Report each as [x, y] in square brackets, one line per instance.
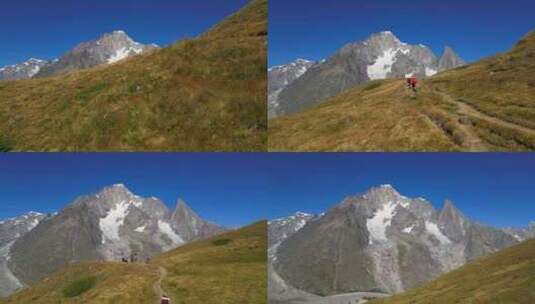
[409, 82]
[414, 81]
[165, 300]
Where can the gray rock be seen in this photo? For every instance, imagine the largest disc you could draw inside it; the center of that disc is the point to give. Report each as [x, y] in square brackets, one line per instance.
[10, 231]
[449, 60]
[281, 76]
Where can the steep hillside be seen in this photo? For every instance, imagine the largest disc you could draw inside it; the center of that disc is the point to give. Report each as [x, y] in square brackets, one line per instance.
[486, 106]
[94, 283]
[207, 93]
[504, 277]
[230, 268]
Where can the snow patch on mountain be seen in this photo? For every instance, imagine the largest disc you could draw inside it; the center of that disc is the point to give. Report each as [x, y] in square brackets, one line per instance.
[140, 228]
[433, 229]
[408, 229]
[110, 224]
[429, 71]
[378, 224]
[382, 65]
[166, 229]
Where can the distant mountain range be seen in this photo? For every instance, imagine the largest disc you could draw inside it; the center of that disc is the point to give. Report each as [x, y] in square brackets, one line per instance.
[375, 244]
[108, 49]
[380, 56]
[106, 226]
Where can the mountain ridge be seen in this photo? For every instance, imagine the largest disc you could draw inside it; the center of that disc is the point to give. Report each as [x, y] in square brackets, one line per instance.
[109, 48]
[378, 241]
[382, 55]
[109, 225]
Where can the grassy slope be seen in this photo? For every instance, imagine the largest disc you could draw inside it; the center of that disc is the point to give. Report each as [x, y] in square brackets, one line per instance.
[209, 271]
[505, 277]
[233, 273]
[207, 93]
[385, 116]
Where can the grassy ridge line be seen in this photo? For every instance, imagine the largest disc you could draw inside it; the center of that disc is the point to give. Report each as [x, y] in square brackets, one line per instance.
[507, 276]
[379, 116]
[202, 94]
[227, 269]
[113, 283]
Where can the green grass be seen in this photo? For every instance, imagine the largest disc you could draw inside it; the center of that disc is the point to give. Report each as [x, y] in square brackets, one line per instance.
[507, 276]
[221, 242]
[4, 145]
[227, 269]
[93, 282]
[200, 94]
[79, 287]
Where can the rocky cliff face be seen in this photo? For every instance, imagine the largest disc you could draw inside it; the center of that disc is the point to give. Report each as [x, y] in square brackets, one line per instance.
[109, 225]
[10, 231]
[381, 56]
[280, 77]
[381, 241]
[449, 60]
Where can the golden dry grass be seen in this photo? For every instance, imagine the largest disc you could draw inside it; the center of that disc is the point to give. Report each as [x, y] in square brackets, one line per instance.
[228, 269]
[202, 94]
[115, 283]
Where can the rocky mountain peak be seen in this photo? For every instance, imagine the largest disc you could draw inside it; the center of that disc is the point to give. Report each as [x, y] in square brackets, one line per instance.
[450, 210]
[107, 49]
[384, 39]
[183, 212]
[449, 60]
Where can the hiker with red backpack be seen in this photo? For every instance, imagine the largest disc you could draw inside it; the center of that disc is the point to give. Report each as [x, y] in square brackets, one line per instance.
[165, 300]
[411, 83]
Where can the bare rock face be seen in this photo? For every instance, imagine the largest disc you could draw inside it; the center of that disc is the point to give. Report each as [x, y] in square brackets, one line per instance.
[281, 76]
[11, 230]
[24, 70]
[380, 242]
[110, 225]
[109, 48]
[449, 60]
[190, 225]
[381, 56]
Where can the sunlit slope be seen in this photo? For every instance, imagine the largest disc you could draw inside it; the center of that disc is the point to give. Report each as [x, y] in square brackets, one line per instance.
[94, 283]
[207, 93]
[504, 277]
[229, 269]
[486, 106]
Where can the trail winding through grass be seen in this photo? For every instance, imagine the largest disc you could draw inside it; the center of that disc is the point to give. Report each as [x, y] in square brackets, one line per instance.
[158, 284]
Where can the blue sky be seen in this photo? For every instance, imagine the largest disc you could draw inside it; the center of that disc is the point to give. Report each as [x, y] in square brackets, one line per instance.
[228, 189]
[46, 29]
[495, 189]
[237, 189]
[315, 29]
